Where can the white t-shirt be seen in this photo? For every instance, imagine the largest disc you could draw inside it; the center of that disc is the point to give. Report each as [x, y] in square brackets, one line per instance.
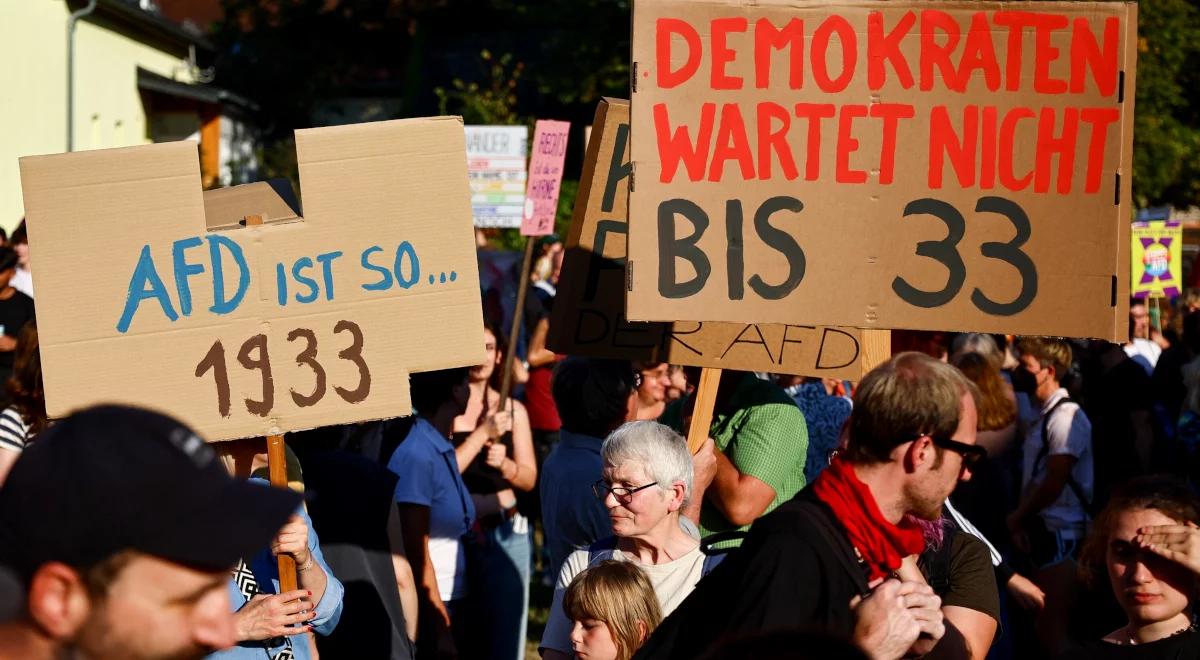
[1070, 433]
[14, 432]
[22, 280]
[1145, 353]
[672, 582]
[450, 567]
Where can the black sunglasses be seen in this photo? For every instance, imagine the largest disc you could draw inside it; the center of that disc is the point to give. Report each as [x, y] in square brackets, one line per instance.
[971, 454]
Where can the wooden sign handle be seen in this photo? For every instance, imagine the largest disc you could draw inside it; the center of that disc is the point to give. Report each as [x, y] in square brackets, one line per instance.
[702, 413]
[277, 467]
[514, 332]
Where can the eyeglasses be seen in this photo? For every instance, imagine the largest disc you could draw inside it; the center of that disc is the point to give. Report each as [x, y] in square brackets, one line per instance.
[622, 495]
[971, 454]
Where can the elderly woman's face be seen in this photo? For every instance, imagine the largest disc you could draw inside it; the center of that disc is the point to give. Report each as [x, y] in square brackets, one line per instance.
[639, 512]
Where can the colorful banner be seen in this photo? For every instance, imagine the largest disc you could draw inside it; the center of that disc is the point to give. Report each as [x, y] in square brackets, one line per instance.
[496, 174]
[1156, 259]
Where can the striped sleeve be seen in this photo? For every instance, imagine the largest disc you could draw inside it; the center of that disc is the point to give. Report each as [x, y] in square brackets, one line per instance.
[13, 431]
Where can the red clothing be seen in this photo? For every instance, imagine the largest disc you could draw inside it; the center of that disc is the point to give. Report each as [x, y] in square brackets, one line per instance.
[539, 401]
[882, 545]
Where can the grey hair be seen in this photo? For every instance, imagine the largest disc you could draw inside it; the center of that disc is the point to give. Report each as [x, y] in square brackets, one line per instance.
[977, 342]
[661, 453]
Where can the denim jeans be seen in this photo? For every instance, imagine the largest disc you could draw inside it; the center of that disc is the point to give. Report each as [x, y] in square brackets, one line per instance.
[504, 592]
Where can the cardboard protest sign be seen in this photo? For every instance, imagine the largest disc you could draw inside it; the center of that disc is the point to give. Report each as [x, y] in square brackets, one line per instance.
[545, 176]
[922, 165]
[1157, 259]
[496, 173]
[297, 323]
[588, 316]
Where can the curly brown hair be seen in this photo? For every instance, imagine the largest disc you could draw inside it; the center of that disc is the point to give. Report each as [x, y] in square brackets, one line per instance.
[1167, 495]
[25, 387]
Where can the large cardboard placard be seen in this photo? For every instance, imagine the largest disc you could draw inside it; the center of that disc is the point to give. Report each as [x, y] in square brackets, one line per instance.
[924, 165]
[294, 324]
[588, 316]
[1157, 259]
[496, 172]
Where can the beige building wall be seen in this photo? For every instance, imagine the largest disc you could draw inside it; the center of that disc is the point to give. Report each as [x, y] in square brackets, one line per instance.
[33, 100]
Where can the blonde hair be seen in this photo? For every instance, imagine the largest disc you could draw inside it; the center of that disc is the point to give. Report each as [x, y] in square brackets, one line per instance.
[620, 595]
[1048, 352]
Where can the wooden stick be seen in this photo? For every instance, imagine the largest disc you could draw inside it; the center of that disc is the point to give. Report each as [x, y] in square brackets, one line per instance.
[277, 467]
[702, 412]
[876, 348]
[522, 291]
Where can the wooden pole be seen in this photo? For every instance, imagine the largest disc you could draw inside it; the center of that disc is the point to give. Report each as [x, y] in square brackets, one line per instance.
[277, 468]
[515, 331]
[876, 348]
[702, 411]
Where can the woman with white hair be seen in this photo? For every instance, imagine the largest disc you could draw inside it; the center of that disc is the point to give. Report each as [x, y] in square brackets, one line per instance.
[646, 482]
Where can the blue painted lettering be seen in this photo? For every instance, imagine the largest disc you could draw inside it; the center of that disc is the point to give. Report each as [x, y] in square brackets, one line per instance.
[145, 283]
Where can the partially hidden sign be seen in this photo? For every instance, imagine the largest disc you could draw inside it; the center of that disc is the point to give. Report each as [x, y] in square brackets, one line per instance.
[921, 165]
[294, 324]
[545, 176]
[588, 316]
[496, 172]
[1157, 259]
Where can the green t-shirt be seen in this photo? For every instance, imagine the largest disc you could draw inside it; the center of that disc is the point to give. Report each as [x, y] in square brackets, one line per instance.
[762, 432]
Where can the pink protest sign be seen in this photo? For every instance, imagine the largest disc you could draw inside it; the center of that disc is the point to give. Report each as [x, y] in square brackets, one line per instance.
[545, 174]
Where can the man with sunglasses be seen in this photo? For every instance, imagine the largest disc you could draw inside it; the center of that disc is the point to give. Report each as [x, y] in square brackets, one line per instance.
[828, 559]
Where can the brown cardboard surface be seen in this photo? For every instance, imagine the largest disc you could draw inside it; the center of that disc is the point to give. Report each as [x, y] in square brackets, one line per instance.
[588, 315]
[91, 215]
[227, 208]
[859, 246]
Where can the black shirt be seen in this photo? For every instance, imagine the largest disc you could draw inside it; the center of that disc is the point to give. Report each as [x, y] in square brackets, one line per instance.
[795, 570]
[15, 312]
[349, 500]
[1185, 646]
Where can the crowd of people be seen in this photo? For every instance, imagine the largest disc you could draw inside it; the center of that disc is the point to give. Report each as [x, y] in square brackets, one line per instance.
[979, 497]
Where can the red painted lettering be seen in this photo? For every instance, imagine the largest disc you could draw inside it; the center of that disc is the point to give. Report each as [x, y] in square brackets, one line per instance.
[938, 55]
[766, 39]
[731, 144]
[884, 48]
[677, 146]
[768, 139]
[1048, 145]
[820, 54]
[664, 29]
[979, 54]
[847, 145]
[1086, 54]
[1044, 54]
[944, 141]
[1008, 141]
[722, 54]
[814, 112]
[987, 151]
[1016, 22]
[891, 114]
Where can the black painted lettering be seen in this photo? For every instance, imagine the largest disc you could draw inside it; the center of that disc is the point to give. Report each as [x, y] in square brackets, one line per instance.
[641, 335]
[675, 333]
[591, 332]
[781, 241]
[786, 340]
[734, 257]
[670, 249]
[619, 169]
[599, 262]
[824, 342]
[762, 341]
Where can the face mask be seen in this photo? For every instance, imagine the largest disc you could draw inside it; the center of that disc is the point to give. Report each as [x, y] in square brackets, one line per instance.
[1023, 381]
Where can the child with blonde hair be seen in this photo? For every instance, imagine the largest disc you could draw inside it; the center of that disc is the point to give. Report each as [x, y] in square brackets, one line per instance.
[613, 610]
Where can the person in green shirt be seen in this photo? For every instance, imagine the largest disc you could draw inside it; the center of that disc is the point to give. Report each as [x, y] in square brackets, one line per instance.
[762, 442]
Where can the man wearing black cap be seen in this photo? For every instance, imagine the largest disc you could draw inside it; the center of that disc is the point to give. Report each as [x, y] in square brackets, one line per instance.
[122, 527]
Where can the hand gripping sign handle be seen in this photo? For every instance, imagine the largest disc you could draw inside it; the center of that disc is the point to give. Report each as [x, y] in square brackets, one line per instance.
[277, 467]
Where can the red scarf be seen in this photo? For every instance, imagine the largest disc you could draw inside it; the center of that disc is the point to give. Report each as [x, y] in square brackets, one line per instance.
[881, 544]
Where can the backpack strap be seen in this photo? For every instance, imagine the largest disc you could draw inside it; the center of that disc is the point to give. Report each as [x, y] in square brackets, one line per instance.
[1044, 451]
[937, 564]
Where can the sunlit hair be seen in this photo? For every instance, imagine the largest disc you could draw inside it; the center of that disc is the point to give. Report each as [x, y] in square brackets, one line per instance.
[910, 395]
[977, 342]
[501, 347]
[1167, 495]
[661, 454]
[1049, 352]
[618, 594]
[996, 409]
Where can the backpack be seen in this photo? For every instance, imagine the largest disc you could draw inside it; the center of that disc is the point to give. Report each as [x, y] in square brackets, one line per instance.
[605, 546]
[1089, 506]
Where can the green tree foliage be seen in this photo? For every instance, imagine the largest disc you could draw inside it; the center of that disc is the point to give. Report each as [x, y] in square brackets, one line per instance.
[1166, 154]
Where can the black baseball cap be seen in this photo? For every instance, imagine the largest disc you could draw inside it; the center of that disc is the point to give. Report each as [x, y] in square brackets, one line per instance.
[114, 478]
